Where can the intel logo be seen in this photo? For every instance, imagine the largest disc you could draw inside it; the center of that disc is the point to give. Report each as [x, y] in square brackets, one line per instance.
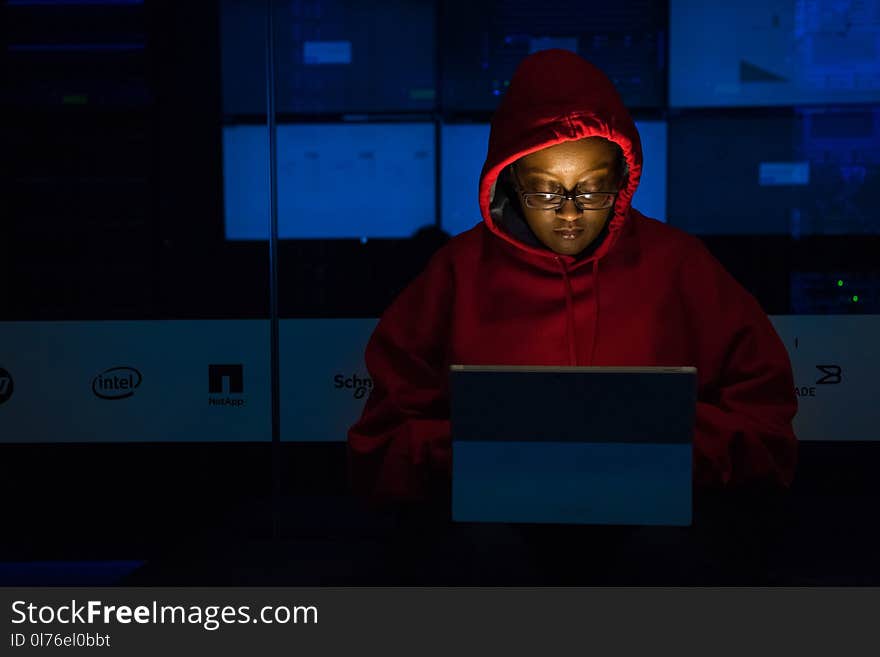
[116, 383]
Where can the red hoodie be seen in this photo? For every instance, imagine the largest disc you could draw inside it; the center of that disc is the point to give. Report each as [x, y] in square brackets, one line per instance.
[647, 294]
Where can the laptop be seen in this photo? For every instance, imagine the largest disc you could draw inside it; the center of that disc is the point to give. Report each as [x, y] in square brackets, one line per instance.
[578, 445]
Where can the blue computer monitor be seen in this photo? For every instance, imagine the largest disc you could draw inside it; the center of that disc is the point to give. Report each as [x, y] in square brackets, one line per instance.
[464, 151]
[351, 181]
[773, 52]
[484, 42]
[330, 56]
[806, 172]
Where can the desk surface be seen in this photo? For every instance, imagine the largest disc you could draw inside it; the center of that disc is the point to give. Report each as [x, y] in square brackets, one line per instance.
[731, 544]
[203, 514]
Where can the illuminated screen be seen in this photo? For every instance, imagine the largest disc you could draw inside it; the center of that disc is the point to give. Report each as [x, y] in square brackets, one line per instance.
[464, 151]
[813, 172]
[334, 180]
[773, 52]
[330, 57]
[625, 39]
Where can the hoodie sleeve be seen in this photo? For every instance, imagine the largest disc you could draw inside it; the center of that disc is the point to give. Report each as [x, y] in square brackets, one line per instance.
[400, 448]
[746, 399]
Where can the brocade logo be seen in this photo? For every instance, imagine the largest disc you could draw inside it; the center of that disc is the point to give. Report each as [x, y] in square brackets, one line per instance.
[833, 374]
[6, 385]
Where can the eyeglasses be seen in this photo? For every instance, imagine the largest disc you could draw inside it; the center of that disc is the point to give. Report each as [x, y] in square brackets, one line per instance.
[550, 201]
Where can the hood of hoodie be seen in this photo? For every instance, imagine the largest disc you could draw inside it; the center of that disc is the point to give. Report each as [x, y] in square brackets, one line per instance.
[555, 96]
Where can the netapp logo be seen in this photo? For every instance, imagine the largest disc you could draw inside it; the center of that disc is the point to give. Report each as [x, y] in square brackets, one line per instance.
[228, 379]
[6, 386]
[358, 385]
[831, 375]
[116, 383]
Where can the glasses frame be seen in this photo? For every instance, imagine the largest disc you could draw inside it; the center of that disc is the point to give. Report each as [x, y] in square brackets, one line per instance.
[565, 197]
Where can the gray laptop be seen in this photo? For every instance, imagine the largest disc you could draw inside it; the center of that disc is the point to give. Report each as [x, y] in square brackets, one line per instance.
[585, 445]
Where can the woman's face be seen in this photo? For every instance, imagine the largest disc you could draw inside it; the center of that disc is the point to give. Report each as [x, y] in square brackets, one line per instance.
[586, 165]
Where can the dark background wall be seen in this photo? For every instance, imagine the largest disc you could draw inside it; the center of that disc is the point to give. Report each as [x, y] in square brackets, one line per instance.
[113, 208]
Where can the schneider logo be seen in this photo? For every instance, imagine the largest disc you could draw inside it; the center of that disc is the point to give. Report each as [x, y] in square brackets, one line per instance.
[6, 386]
[226, 380]
[116, 383]
[359, 386]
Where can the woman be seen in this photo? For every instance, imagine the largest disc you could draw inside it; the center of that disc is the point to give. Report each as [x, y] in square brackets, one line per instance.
[563, 271]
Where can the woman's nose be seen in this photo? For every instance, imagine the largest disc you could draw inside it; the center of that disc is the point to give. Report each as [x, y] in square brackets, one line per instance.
[569, 211]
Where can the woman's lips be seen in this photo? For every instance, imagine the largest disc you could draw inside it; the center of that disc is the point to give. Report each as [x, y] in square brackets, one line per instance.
[569, 233]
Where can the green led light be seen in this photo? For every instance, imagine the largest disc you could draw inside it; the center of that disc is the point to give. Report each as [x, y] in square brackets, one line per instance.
[839, 283]
[75, 99]
[855, 298]
[421, 94]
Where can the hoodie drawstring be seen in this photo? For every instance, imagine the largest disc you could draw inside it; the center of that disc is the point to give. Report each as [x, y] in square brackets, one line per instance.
[594, 334]
[569, 309]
